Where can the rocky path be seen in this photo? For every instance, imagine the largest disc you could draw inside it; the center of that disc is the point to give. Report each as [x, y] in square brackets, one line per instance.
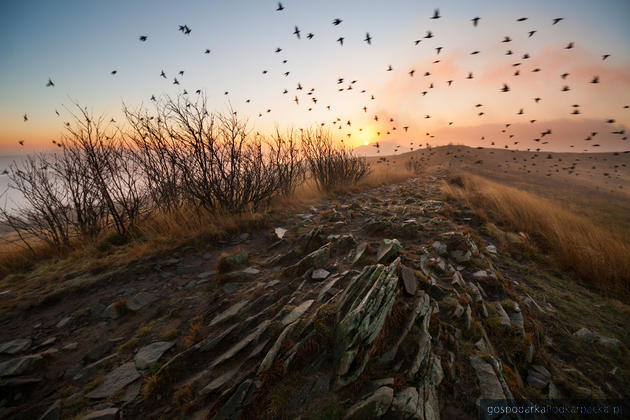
[376, 303]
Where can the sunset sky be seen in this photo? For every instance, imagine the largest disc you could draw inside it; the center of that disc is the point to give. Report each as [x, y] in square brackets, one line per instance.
[78, 43]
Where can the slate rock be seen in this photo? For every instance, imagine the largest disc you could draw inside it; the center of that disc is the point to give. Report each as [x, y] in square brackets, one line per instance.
[372, 407]
[409, 280]
[19, 365]
[115, 381]
[140, 300]
[112, 413]
[388, 250]
[15, 346]
[151, 353]
[320, 274]
[297, 312]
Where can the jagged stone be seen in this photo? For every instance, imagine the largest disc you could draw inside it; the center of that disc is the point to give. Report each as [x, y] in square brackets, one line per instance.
[150, 354]
[421, 310]
[364, 307]
[468, 318]
[387, 250]
[343, 244]
[489, 385]
[324, 290]
[538, 376]
[314, 260]
[273, 351]
[405, 403]
[115, 381]
[372, 407]
[461, 256]
[297, 312]
[424, 348]
[280, 232]
[360, 251]
[409, 280]
[253, 336]
[233, 404]
[480, 275]
[105, 414]
[236, 261]
[15, 346]
[219, 382]
[19, 365]
[504, 319]
[229, 312]
[140, 300]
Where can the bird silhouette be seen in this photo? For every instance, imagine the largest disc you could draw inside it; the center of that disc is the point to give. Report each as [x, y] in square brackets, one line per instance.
[207, 51]
[429, 34]
[340, 40]
[595, 79]
[50, 83]
[436, 14]
[505, 88]
[531, 33]
[475, 21]
[569, 46]
[280, 7]
[605, 56]
[368, 38]
[556, 20]
[25, 118]
[337, 21]
[162, 74]
[310, 35]
[114, 72]
[143, 38]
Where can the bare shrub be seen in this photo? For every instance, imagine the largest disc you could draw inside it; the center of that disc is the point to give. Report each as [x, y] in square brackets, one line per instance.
[331, 164]
[110, 166]
[45, 214]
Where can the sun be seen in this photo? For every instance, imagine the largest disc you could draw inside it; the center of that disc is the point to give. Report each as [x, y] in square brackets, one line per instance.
[366, 143]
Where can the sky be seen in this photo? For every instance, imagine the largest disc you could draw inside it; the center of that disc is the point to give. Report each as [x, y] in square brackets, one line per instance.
[78, 43]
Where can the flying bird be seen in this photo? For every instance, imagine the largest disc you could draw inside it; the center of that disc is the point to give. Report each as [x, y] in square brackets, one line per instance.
[25, 118]
[505, 88]
[114, 72]
[50, 83]
[296, 32]
[475, 20]
[280, 7]
[142, 38]
[595, 79]
[436, 14]
[368, 38]
[310, 35]
[340, 40]
[556, 20]
[337, 21]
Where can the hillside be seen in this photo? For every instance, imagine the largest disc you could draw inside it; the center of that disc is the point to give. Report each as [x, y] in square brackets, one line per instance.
[388, 300]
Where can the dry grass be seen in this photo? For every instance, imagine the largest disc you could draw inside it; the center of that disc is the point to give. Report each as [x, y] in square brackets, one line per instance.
[575, 242]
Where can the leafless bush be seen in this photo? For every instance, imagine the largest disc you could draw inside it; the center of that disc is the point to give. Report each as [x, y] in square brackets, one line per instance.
[331, 164]
[414, 165]
[285, 157]
[45, 215]
[108, 163]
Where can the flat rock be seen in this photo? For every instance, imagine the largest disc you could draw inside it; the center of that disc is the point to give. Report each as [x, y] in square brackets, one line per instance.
[140, 300]
[20, 365]
[409, 280]
[297, 312]
[320, 274]
[252, 337]
[150, 354]
[480, 275]
[229, 312]
[105, 414]
[65, 321]
[218, 382]
[231, 407]
[15, 346]
[115, 381]
[439, 247]
[372, 407]
[593, 337]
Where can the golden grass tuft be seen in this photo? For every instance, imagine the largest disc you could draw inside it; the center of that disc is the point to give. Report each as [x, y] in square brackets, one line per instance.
[576, 243]
[194, 333]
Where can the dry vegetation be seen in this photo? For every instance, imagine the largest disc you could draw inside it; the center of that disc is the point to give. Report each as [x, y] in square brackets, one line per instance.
[169, 176]
[574, 242]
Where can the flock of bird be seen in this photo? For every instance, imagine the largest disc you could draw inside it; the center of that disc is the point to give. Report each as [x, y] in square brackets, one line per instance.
[307, 97]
